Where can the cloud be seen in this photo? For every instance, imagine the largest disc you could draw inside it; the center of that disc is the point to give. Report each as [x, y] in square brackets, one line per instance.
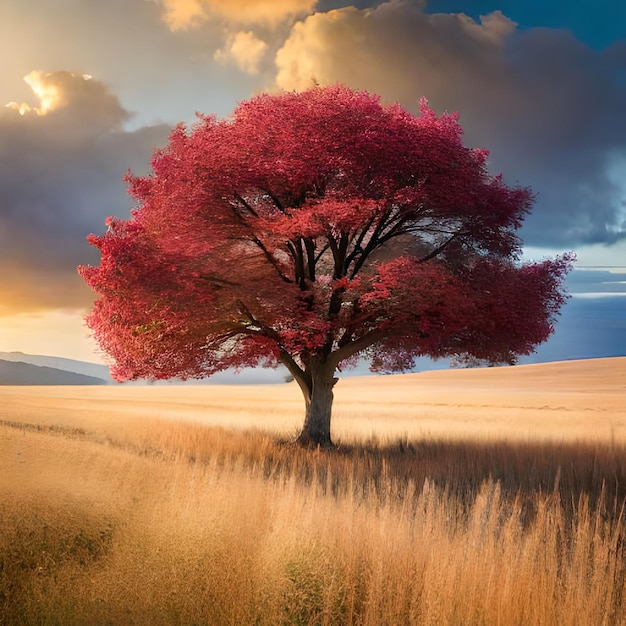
[157, 74]
[181, 14]
[395, 46]
[61, 165]
[547, 106]
[245, 49]
[44, 88]
[184, 14]
[75, 95]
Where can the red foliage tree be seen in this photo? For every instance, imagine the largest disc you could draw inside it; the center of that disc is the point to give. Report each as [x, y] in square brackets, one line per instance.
[309, 228]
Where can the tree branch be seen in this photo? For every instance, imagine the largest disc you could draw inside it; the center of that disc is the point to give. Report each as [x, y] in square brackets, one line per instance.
[321, 252]
[343, 249]
[218, 282]
[268, 255]
[352, 348]
[275, 200]
[339, 250]
[436, 251]
[297, 372]
[309, 246]
[299, 259]
[357, 245]
[372, 244]
[245, 204]
[394, 232]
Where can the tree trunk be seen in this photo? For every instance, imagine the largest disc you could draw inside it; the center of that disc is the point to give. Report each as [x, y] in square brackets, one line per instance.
[318, 399]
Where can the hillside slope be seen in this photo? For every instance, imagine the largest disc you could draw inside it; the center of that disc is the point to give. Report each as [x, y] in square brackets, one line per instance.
[18, 373]
[59, 363]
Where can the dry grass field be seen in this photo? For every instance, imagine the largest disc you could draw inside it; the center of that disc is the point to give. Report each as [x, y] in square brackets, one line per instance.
[458, 497]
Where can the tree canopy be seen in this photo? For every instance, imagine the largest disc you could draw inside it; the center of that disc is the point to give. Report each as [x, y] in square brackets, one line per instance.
[309, 229]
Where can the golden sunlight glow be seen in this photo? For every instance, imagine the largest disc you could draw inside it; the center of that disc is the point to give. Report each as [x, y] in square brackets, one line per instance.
[47, 91]
[183, 14]
[21, 108]
[55, 333]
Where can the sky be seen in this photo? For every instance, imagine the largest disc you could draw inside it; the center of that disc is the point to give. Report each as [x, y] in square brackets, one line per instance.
[92, 88]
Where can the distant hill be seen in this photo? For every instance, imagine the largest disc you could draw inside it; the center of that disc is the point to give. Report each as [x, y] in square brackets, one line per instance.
[250, 376]
[19, 373]
[67, 365]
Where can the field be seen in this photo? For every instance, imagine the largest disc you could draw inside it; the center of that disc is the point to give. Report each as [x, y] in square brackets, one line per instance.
[458, 497]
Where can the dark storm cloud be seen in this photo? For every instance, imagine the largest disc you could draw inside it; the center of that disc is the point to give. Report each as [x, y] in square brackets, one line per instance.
[60, 177]
[548, 107]
[564, 135]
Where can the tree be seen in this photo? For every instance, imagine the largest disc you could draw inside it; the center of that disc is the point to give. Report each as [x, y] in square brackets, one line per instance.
[310, 229]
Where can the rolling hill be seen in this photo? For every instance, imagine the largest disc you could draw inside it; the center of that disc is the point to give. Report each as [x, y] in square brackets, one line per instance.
[20, 373]
[67, 365]
[95, 374]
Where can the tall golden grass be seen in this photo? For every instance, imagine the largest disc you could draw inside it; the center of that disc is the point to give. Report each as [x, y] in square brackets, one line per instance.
[159, 521]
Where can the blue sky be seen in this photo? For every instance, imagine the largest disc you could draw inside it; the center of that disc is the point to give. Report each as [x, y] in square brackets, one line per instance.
[541, 84]
[599, 23]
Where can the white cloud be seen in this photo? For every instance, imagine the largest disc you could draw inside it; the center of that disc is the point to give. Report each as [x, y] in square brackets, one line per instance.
[393, 49]
[52, 89]
[181, 14]
[245, 49]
